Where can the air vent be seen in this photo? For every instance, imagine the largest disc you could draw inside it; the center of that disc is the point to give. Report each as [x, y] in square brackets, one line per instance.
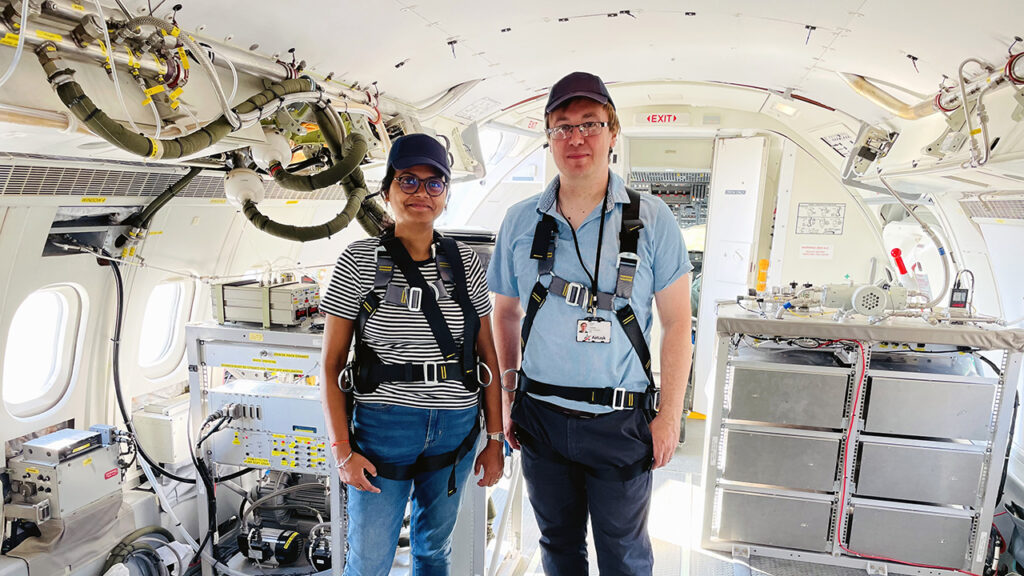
[133, 181]
[1006, 209]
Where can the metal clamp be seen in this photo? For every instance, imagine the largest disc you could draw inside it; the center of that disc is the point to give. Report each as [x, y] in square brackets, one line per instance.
[576, 294]
[430, 372]
[347, 375]
[479, 375]
[619, 399]
[632, 258]
[503, 374]
[414, 299]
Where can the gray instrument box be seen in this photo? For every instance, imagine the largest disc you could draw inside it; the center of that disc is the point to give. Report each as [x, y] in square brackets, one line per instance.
[790, 461]
[791, 394]
[775, 520]
[281, 304]
[893, 470]
[937, 537]
[69, 468]
[930, 405]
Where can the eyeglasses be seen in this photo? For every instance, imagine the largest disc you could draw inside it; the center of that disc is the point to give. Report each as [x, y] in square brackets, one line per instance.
[564, 131]
[409, 184]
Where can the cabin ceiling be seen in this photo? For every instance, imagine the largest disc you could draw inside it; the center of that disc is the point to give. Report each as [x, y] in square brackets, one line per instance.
[403, 45]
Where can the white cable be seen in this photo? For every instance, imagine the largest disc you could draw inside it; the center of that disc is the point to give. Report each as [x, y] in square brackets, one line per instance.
[234, 75]
[21, 44]
[113, 65]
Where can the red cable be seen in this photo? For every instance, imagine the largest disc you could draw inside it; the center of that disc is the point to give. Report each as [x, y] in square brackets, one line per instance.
[1000, 514]
[846, 455]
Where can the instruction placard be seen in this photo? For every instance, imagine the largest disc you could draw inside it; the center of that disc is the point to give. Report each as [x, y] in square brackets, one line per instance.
[817, 251]
[820, 218]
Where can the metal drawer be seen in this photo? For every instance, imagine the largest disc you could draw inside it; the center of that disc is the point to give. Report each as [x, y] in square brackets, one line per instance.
[936, 407]
[801, 462]
[775, 520]
[922, 473]
[937, 537]
[813, 396]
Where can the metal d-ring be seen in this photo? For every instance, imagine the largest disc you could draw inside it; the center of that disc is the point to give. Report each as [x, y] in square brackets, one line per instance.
[490, 377]
[503, 374]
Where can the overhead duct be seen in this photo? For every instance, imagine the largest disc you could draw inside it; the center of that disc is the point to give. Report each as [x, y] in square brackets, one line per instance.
[892, 104]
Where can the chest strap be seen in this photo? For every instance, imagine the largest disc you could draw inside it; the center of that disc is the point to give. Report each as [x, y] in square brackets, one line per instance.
[614, 398]
[460, 363]
[425, 464]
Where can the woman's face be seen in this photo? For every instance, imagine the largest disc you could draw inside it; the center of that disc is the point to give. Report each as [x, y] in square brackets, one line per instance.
[417, 206]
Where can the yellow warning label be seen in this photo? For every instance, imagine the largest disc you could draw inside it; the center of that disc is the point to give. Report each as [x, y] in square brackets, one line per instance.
[174, 105]
[287, 355]
[255, 336]
[292, 202]
[184, 57]
[80, 448]
[49, 36]
[303, 439]
[278, 453]
[155, 146]
[156, 233]
[176, 93]
[262, 361]
[155, 90]
[236, 441]
[175, 31]
[282, 436]
[94, 200]
[32, 470]
[256, 461]
[9, 39]
[261, 368]
[78, 7]
[976, 131]
[87, 461]
[147, 101]
[218, 200]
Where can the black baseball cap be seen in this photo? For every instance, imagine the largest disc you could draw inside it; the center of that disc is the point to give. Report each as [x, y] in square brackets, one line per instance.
[577, 84]
[415, 149]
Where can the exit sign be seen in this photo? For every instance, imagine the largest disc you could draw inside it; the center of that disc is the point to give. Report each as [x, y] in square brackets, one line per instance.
[662, 118]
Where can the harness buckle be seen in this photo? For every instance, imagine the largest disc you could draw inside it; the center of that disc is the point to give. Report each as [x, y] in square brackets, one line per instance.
[414, 299]
[656, 399]
[430, 372]
[516, 386]
[479, 375]
[576, 294]
[631, 258]
[347, 376]
[619, 399]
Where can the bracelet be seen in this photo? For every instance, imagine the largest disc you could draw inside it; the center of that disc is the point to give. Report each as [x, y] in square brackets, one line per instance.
[336, 442]
[346, 459]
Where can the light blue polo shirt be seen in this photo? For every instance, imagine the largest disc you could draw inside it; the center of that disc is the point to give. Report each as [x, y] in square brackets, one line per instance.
[553, 355]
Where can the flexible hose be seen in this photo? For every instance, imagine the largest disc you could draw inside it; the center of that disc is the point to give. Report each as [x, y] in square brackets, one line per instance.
[142, 219]
[74, 97]
[123, 547]
[21, 45]
[354, 153]
[113, 68]
[935, 239]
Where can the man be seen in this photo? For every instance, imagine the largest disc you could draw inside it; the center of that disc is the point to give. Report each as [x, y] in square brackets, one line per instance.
[585, 259]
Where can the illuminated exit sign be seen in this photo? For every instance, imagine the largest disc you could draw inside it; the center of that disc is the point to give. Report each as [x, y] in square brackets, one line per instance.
[663, 118]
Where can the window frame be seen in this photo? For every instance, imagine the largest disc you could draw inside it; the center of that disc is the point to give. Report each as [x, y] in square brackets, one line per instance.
[174, 350]
[71, 332]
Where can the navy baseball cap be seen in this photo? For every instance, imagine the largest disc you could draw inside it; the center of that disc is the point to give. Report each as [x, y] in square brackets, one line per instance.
[577, 84]
[415, 149]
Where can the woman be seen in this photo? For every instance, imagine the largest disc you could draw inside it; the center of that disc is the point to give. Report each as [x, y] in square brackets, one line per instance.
[418, 308]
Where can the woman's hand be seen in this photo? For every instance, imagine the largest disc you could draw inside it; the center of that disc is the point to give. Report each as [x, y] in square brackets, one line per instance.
[353, 472]
[492, 460]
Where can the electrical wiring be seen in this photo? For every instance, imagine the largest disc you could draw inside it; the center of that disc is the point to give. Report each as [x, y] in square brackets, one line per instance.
[20, 48]
[108, 49]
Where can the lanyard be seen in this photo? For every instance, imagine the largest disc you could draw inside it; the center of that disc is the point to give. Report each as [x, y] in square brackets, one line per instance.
[591, 306]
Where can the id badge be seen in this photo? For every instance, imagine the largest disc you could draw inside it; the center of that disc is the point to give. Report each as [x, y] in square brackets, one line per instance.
[594, 330]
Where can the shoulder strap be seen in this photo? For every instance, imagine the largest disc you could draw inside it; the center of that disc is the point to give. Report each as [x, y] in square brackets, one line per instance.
[435, 318]
[471, 322]
[629, 232]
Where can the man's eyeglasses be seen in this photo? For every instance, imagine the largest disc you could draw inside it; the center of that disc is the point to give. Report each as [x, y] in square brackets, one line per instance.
[409, 184]
[564, 131]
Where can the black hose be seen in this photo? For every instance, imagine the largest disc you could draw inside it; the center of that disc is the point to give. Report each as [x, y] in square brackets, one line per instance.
[126, 545]
[354, 151]
[142, 219]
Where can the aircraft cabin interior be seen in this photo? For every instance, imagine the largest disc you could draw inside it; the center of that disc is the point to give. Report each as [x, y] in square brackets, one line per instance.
[178, 180]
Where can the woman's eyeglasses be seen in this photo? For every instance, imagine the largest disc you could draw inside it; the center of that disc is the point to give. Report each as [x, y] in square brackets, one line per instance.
[409, 184]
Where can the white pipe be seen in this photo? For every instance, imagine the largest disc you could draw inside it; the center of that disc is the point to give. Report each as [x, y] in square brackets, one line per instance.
[967, 113]
[446, 100]
[21, 44]
[867, 89]
[113, 66]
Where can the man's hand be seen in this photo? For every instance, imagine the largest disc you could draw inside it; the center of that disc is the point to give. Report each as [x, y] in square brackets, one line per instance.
[509, 425]
[665, 432]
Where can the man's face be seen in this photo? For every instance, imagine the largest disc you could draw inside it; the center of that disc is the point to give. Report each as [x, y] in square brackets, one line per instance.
[581, 156]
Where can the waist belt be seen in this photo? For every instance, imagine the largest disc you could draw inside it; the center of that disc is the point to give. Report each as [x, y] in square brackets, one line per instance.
[610, 473]
[431, 372]
[431, 463]
[614, 398]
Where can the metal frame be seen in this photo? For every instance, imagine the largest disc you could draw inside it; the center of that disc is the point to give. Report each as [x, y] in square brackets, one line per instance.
[994, 447]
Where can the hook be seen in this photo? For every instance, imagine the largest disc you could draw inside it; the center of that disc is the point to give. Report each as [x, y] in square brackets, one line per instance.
[1016, 39]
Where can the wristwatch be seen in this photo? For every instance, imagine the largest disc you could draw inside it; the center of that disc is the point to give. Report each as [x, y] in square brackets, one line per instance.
[499, 436]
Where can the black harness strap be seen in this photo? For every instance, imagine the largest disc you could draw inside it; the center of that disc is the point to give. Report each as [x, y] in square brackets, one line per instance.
[471, 321]
[617, 398]
[435, 318]
[610, 474]
[430, 463]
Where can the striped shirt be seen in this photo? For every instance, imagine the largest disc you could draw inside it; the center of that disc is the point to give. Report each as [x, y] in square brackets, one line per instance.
[399, 335]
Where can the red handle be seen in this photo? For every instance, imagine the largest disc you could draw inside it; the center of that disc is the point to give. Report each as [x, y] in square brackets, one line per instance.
[897, 255]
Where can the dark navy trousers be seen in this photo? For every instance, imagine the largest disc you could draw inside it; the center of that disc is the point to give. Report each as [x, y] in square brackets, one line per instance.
[563, 495]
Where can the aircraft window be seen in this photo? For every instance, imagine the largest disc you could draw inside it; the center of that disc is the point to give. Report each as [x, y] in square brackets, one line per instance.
[40, 352]
[160, 340]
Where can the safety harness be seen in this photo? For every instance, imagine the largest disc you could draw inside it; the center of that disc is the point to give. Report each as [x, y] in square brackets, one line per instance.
[545, 237]
[366, 372]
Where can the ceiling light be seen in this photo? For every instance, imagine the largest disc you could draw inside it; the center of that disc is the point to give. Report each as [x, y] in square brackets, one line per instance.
[784, 108]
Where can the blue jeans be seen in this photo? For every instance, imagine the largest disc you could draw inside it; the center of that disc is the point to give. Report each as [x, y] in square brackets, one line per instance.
[399, 435]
